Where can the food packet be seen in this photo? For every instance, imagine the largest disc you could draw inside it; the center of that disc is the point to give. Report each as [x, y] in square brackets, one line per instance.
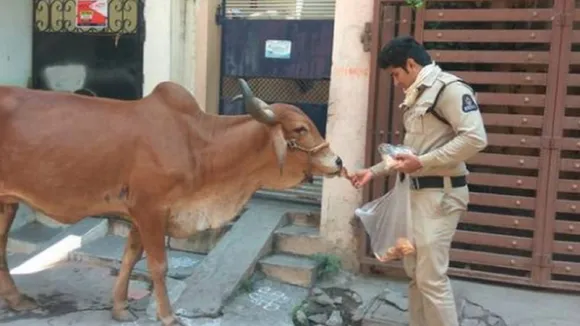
[389, 151]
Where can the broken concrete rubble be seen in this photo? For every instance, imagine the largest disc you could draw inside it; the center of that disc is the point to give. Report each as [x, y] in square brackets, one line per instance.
[396, 299]
[471, 313]
[329, 307]
[335, 319]
[391, 308]
[388, 308]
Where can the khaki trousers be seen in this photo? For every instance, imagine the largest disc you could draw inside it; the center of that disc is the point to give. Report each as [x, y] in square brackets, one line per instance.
[435, 215]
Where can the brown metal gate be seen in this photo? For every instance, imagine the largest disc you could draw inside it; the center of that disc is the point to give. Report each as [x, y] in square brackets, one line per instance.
[523, 59]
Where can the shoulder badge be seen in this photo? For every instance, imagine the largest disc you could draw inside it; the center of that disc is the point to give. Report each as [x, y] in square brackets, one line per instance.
[468, 104]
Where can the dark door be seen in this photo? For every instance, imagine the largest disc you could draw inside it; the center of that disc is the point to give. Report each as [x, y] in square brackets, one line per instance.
[104, 62]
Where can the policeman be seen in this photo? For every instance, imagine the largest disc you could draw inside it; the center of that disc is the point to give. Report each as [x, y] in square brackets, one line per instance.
[443, 125]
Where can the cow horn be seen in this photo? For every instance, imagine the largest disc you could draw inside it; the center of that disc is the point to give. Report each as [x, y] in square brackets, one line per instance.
[257, 108]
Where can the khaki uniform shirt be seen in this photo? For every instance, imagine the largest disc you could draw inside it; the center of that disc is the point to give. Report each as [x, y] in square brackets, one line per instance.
[442, 149]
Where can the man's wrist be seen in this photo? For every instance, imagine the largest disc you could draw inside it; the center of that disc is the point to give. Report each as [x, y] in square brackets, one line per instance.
[426, 159]
[375, 170]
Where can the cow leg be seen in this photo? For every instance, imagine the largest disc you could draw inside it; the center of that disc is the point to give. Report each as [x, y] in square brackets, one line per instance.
[153, 239]
[8, 291]
[133, 252]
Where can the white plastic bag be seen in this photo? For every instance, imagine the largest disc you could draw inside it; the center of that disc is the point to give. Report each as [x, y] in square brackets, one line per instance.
[387, 220]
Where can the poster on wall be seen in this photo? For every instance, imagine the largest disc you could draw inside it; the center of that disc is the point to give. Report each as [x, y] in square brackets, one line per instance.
[92, 13]
[278, 49]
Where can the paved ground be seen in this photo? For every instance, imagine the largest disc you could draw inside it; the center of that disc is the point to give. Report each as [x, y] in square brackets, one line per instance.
[78, 294]
[483, 304]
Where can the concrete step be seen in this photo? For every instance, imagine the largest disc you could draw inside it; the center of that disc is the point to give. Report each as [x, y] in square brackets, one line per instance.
[108, 251]
[294, 195]
[14, 258]
[119, 227]
[233, 260]
[306, 193]
[200, 243]
[298, 240]
[30, 236]
[304, 219]
[295, 270]
[58, 247]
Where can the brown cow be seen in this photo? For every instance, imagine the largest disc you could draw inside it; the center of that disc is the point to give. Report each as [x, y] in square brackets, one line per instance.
[160, 162]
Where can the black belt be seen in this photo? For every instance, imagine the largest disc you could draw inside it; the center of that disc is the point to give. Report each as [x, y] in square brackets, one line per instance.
[436, 182]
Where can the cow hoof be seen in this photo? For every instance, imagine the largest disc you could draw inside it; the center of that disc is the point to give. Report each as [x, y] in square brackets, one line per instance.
[124, 315]
[24, 303]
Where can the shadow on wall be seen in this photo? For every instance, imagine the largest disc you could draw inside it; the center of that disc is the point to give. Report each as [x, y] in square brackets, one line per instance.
[311, 96]
[316, 112]
[81, 79]
[104, 66]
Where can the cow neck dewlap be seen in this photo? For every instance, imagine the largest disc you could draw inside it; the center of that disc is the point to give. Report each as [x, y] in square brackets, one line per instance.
[234, 165]
[210, 209]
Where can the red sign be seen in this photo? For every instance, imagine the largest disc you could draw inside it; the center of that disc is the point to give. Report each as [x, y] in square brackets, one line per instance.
[92, 13]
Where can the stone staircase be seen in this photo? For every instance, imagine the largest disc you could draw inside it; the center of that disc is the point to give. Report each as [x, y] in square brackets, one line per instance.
[305, 193]
[293, 243]
[102, 241]
[108, 250]
[30, 231]
[37, 242]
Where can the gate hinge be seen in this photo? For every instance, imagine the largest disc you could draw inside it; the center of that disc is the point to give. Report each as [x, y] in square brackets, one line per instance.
[366, 37]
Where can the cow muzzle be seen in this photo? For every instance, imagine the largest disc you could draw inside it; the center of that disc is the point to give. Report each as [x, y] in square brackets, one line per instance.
[330, 164]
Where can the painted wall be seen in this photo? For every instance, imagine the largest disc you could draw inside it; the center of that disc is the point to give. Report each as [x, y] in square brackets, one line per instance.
[169, 49]
[89, 64]
[15, 42]
[16, 60]
[157, 47]
[346, 126]
[207, 52]
[183, 36]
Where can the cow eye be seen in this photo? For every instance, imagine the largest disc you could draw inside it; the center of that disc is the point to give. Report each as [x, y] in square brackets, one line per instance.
[300, 130]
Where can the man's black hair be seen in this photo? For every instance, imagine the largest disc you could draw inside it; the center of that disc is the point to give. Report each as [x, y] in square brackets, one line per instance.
[399, 49]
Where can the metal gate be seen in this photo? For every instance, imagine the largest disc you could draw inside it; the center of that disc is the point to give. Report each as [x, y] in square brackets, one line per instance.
[523, 59]
[284, 50]
[104, 62]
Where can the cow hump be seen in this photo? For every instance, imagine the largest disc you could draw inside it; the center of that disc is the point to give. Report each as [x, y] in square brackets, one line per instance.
[176, 96]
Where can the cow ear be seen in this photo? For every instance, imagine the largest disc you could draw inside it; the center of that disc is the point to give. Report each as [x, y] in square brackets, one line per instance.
[280, 146]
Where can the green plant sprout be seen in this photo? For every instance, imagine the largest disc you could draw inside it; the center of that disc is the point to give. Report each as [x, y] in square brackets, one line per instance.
[416, 4]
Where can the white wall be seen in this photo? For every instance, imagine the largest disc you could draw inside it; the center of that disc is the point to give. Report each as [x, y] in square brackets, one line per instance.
[207, 55]
[15, 42]
[169, 52]
[346, 126]
[169, 49]
[16, 60]
[157, 48]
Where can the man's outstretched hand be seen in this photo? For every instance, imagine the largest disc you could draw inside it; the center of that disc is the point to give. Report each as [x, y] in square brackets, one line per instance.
[406, 163]
[360, 178]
